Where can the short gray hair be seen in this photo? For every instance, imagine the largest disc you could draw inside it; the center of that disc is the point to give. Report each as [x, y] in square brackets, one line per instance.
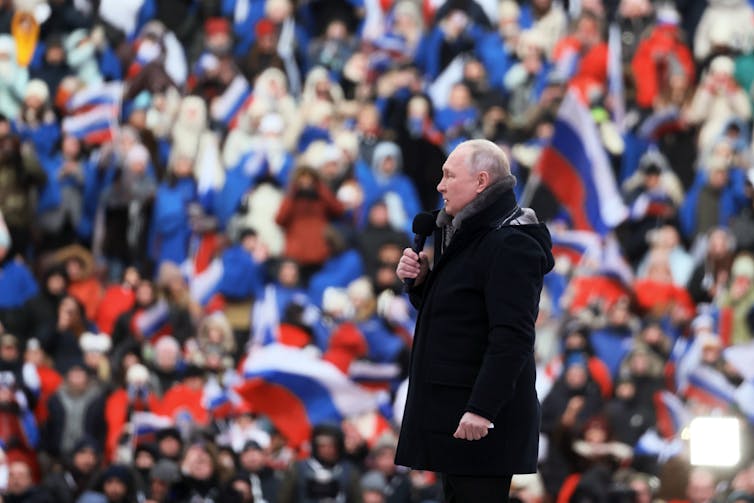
[483, 155]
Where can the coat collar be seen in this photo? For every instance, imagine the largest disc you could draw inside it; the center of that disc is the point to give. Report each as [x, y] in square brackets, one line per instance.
[494, 203]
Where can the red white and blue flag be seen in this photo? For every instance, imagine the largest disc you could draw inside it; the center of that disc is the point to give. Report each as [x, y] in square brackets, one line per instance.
[227, 108]
[576, 245]
[146, 425]
[153, 321]
[672, 415]
[297, 390]
[93, 113]
[576, 169]
[709, 387]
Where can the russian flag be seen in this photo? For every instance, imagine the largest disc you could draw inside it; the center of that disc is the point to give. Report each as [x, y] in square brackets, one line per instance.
[710, 387]
[227, 107]
[94, 126]
[575, 168]
[575, 245]
[652, 444]
[153, 320]
[218, 400]
[203, 285]
[106, 93]
[145, 425]
[660, 123]
[298, 390]
[374, 375]
[672, 415]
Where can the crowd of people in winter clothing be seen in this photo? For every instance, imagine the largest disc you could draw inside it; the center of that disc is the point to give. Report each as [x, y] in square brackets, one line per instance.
[203, 204]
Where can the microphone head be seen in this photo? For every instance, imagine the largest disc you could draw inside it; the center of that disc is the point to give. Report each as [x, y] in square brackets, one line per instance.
[424, 224]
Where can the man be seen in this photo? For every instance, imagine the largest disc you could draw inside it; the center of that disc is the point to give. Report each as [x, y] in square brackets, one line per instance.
[325, 476]
[472, 411]
[21, 487]
[265, 482]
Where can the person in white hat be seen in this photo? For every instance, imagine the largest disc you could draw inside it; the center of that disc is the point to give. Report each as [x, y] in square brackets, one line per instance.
[717, 100]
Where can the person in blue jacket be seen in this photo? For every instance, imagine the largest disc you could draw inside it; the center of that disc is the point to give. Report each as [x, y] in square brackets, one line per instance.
[395, 188]
[170, 218]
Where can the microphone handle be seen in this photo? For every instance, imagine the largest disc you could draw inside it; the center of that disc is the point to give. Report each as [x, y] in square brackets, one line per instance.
[418, 246]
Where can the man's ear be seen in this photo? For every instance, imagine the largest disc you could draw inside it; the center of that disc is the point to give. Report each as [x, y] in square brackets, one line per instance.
[483, 181]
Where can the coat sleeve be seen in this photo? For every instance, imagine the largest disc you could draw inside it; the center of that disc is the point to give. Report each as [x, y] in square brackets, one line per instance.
[511, 289]
[285, 212]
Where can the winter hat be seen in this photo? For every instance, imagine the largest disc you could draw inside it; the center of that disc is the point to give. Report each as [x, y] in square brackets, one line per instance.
[668, 16]
[743, 266]
[169, 432]
[147, 447]
[137, 374]
[77, 361]
[707, 340]
[216, 26]
[37, 88]
[722, 65]
[86, 442]
[335, 302]
[251, 444]
[264, 27]
[119, 472]
[360, 290]
[703, 322]
[95, 343]
[508, 9]
[138, 154]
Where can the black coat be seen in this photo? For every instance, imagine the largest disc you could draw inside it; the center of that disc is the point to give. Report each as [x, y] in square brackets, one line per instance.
[474, 348]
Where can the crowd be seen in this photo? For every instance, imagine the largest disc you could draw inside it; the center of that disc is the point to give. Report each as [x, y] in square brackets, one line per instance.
[186, 184]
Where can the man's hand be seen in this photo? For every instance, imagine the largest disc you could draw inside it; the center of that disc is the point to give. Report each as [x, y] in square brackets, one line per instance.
[472, 427]
[412, 265]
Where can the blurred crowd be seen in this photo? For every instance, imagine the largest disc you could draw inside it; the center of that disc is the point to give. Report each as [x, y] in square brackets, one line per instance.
[184, 183]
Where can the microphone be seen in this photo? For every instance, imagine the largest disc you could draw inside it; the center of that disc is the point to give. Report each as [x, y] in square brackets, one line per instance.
[423, 226]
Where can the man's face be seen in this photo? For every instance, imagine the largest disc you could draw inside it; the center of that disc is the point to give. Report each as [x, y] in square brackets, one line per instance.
[8, 352]
[169, 447]
[326, 448]
[253, 460]
[19, 478]
[701, 488]
[114, 489]
[458, 186]
[77, 379]
[85, 460]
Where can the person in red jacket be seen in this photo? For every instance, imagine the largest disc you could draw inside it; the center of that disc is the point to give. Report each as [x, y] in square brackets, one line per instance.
[582, 56]
[136, 396]
[661, 56]
[305, 212]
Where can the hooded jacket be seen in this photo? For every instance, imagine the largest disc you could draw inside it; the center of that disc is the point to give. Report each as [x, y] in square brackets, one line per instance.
[473, 348]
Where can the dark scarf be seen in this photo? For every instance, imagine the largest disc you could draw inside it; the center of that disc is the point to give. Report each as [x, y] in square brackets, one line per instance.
[497, 191]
